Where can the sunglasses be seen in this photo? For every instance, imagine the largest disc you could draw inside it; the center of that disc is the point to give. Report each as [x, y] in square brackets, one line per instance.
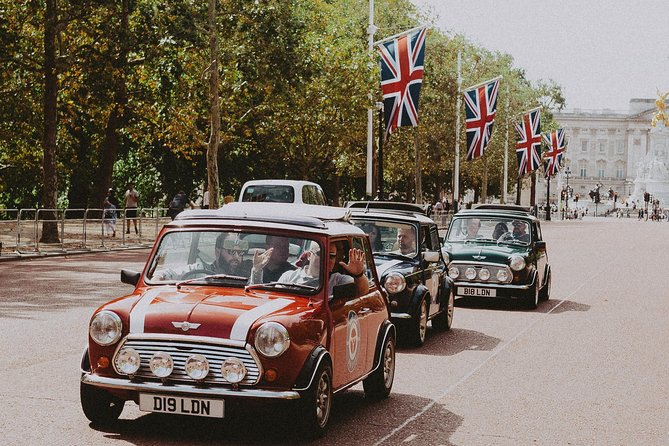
[235, 252]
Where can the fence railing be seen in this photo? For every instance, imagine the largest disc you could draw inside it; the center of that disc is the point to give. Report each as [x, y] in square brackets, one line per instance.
[77, 229]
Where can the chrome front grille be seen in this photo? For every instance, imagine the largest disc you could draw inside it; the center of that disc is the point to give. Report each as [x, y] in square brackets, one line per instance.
[180, 348]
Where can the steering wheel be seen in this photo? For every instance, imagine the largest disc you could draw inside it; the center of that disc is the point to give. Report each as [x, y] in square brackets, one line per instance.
[194, 273]
[506, 236]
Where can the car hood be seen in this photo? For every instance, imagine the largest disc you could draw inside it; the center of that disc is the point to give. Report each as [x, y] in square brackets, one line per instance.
[220, 312]
[385, 265]
[484, 252]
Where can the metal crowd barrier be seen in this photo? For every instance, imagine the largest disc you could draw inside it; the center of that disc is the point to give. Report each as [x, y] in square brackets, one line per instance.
[78, 230]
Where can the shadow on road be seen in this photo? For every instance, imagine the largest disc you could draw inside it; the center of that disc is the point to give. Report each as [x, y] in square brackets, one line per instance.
[553, 305]
[453, 342]
[355, 420]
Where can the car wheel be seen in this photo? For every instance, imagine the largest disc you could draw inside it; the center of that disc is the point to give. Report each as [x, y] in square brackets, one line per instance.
[99, 406]
[378, 385]
[419, 326]
[546, 290]
[316, 403]
[532, 299]
[444, 320]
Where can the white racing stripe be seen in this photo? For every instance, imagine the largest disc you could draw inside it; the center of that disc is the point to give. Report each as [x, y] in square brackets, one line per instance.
[244, 322]
[138, 313]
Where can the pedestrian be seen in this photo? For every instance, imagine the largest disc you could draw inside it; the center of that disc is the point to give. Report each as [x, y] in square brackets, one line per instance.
[205, 199]
[109, 206]
[131, 201]
[178, 204]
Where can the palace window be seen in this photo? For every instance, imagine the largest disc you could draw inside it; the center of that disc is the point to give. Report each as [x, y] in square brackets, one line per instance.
[620, 147]
[584, 145]
[620, 171]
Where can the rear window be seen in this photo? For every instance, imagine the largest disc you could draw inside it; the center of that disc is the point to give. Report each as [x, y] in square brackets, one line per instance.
[271, 194]
[313, 195]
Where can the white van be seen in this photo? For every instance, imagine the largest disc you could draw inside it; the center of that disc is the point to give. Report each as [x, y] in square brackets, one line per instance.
[283, 191]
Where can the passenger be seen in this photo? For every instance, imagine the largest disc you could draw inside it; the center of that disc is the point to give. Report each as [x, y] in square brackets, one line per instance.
[374, 237]
[473, 226]
[270, 265]
[500, 229]
[310, 274]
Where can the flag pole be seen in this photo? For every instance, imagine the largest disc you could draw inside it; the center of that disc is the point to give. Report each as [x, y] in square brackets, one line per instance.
[484, 83]
[371, 29]
[506, 152]
[456, 169]
[394, 36]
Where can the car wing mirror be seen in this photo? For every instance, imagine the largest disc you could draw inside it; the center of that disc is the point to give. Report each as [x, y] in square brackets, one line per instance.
[130, 277]
[342, 293]
[431, 256]
[540, 244]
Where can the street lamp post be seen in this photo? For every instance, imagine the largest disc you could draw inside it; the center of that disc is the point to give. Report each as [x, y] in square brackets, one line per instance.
[567, 172]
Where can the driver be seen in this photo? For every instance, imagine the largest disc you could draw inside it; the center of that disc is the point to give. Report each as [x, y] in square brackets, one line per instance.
[406, 240]
[230, 251]
[519, 231]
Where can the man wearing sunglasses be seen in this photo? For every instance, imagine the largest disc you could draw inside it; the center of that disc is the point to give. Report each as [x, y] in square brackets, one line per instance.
[229, 251]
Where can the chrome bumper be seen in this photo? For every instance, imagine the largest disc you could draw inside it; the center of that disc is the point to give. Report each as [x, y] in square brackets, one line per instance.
[186, 390]
[499, 286]
[400, 315]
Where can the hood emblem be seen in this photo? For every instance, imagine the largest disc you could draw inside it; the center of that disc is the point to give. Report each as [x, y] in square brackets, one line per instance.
[479, 256]
[185, 326]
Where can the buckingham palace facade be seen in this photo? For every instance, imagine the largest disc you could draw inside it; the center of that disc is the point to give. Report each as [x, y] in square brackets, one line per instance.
[604, 147]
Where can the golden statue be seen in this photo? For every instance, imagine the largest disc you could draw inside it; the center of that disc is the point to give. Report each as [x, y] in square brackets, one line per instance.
[660, 116]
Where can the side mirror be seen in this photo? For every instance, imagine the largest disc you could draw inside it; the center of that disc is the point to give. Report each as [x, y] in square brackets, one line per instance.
[130, 277]
[540, 245]
[431, 256]
[342, 293]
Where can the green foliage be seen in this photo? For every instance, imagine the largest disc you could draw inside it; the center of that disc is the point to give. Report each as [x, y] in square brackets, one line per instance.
[296, 81]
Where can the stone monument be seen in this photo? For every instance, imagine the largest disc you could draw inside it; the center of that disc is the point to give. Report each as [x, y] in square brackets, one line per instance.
[653, 169]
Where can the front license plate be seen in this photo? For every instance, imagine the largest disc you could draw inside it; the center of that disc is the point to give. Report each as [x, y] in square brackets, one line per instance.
[180, 405]
[478, 292]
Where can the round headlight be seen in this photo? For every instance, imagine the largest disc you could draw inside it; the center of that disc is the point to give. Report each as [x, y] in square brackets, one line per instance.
[105, 328]
[502, 275]
[127, 361]
[517, 263]
[161, 364]
[484, 274]
[470, 273]
[453, 272]
[395, 283]
[233, 370]
[272, 339]
[197, 367]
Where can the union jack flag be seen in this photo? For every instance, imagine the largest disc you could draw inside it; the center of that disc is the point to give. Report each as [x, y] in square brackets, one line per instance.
[528, 142]
[556, 148]
[401, 78]
[480, 110]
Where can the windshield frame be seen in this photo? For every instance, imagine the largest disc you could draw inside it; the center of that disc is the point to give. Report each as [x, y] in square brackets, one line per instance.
[489, 230]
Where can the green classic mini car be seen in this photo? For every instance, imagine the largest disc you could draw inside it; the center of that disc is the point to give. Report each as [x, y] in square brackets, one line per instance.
[498, 251]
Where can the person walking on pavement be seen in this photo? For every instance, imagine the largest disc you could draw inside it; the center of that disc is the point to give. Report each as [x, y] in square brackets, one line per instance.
[131, 201]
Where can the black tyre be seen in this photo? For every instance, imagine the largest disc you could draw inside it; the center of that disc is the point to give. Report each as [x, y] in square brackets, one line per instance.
[444, 320]
[532, 298]
[378, 385]
[316, 403]
[545, 293]
[99, 406]
[419, 325]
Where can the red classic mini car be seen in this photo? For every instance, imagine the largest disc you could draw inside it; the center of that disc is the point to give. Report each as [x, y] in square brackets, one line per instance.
[251, 302]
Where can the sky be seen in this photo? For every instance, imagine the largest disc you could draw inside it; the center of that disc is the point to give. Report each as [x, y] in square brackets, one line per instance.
[602, 53]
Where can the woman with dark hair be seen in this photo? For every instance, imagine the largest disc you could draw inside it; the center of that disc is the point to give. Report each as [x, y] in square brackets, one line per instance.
[500, 229]
[374, 237]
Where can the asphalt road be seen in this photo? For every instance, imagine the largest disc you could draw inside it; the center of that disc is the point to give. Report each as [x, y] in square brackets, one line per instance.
[588, 367]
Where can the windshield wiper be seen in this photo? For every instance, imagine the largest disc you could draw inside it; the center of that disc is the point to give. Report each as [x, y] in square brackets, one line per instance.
[272, 285]
[212, 277]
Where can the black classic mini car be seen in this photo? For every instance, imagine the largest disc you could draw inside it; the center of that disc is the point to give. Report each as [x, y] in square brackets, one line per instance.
[410, 266]
[498, 251]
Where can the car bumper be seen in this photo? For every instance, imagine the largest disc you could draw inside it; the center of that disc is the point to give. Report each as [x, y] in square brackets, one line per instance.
[186, 390]
[501, 290]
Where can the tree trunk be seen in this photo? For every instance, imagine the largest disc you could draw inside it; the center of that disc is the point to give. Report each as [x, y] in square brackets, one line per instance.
[484, 186]
[116, 120]
[533, 188]
[50, 178]
[519, 187]
[215, 112]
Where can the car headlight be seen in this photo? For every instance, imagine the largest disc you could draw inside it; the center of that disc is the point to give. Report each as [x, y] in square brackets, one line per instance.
[197, 367]
[395, 283]
[272, 339]
[517, 263]
[105, 327]
[502, 275]
[484, 274]
[453, 272]
[127, 361]
[233, 370]
[161, 364]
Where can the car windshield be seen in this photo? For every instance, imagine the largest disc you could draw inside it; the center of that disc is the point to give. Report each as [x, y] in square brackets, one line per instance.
[489, 229]
[389, 238]
[206, 257]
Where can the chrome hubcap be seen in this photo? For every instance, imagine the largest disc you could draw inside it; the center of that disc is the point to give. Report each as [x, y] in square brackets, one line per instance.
[323, 400]
[423, 320]
[388, 364]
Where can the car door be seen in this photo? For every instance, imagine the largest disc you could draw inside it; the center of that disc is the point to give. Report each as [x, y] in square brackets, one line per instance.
[540, 254]
[433, 271]
[350, 332]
